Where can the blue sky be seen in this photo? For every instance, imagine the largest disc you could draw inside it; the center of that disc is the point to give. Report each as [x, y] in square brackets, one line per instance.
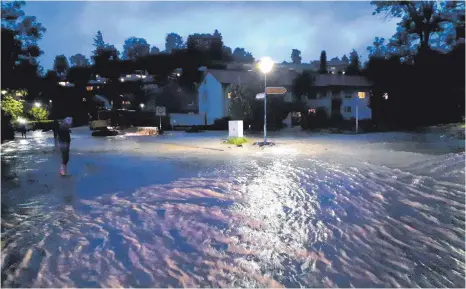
[263, 28]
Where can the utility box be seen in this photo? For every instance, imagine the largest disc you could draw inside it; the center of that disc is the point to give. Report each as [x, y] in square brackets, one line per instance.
[235, 128]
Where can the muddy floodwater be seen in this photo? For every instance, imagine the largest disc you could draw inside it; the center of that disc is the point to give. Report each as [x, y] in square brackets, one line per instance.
[179, 210]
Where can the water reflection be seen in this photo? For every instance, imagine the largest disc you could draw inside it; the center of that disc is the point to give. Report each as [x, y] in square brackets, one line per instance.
[285, 220]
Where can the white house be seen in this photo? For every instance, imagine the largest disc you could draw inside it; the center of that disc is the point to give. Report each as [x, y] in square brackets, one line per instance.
[342, 93]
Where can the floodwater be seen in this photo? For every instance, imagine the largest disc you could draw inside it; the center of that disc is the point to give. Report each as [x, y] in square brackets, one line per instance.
[368, 211]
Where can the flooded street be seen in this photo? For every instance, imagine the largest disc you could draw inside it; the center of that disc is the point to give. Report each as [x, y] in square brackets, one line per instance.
[183, 211]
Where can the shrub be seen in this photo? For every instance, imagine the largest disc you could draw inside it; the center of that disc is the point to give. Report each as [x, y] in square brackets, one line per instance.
[237, 140]
[38, 113]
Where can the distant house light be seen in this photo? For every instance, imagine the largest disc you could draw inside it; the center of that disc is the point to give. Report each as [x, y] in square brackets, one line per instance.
[122, 79]
[343, 72]
[229, 95]
[128, 75]
[361, 94]
[84, 99]
[178, 74]
[385, 96]
[62, 83]
[97, 76]
[89, 88]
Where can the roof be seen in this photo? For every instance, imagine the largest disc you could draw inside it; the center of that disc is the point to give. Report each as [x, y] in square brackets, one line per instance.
[286, 78]
[232, 76]
[341, 80]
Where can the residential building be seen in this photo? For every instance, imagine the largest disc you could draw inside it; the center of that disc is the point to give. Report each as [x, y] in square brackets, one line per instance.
[342, 94]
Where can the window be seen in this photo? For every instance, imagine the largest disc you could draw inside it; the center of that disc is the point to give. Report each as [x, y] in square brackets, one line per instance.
[347, 108]
[361, 94]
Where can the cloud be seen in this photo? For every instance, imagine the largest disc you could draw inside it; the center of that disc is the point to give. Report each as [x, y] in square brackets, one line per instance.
[263, 28]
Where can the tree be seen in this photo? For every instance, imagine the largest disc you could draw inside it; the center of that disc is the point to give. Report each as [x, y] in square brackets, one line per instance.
[11, 106]
[296, 56]
[20, 34]
[79, 60]
[345, 59]
[323, 63]
[173, 41]
[421, 19]
[99, 43]
[241, 101]
[154, 50]
[354, 65]
[135, 47]
[38, 113]
[303, 86]
[60, 65]
[242, 56]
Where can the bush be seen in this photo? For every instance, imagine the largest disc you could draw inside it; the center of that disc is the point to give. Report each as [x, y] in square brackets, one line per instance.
[221, 124]
[38, 113]
[237, 140]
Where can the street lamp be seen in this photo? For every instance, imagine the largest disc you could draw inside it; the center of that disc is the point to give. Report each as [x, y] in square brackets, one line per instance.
[141, 105]
[4, 91]
[265, 66]
[38, 104]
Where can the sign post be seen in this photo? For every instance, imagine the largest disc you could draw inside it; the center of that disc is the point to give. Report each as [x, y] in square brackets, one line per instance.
[275, 90]
[160, 111]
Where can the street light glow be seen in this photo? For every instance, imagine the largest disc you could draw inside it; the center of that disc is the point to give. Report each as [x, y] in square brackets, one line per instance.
[266, 64]
[21, 120]
[38, 104]
[4, 91]
[142, 105]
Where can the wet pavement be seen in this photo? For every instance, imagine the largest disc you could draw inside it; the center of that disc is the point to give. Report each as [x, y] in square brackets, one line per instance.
[181, 210]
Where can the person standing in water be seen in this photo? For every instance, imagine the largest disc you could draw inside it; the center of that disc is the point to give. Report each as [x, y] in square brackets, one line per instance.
[64, 140]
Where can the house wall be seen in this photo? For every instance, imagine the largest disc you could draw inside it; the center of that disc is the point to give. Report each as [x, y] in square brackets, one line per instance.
[349, 97]
[211, 97]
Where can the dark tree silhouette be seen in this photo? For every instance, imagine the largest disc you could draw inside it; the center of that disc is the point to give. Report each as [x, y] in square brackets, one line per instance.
[323, 63]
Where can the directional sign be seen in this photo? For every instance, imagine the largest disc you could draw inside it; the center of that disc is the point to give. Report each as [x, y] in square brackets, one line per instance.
[260, 95]
[160, 111]
[275, 90]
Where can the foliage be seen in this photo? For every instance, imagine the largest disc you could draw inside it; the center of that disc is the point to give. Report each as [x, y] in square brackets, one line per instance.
[60, 65]
[135, 47]
[79, 60]
[242, 56]
[303, 85]
[99, 43]
[241, 99]
[316, 120]
[38, 113]
[173, 41]
[12, 107]
[421, 21]
[354, 65]
[154, 50]
[323, 63]
[296, 56]
[20, 33]
[237, 140]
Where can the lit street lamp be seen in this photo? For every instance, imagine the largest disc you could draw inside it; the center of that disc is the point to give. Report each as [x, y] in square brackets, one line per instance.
[38, 104]
[265, 66]
[141, 105]
[4, 91]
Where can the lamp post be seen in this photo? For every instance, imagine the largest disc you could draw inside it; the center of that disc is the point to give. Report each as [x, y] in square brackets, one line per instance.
[265, 66]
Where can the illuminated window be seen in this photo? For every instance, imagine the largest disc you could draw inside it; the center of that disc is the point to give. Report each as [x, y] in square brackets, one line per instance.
[229, 95]
[312, 110]
[347, 108]
[89, 88]
[361, 94]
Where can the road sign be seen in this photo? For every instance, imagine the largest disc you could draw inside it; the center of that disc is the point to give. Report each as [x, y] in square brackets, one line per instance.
[160, 111]
[275, 90]
[260, 95]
